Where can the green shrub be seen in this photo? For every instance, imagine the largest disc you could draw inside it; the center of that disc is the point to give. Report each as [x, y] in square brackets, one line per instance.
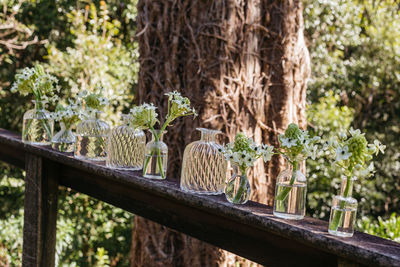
[389, 229]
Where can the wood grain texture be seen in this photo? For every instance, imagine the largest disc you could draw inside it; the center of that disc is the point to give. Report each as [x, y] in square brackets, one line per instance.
[40, 212]
[249, 230]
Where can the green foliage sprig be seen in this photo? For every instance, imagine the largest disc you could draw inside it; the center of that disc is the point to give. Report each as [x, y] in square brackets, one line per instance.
[37, 82]
[68, 114]
[297, 145]
[244, 152]
[92, 101]
[352, 152]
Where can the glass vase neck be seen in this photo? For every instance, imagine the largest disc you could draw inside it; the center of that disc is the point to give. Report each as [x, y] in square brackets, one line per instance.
[293, 165]
[346, 186]
[159, 134]
[40, 104]
[239, 171]
[94, 114]
[125, 119]
[208, 135]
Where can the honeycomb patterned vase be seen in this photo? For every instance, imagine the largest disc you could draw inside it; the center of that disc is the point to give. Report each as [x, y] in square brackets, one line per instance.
[125, 147]
[203, 167]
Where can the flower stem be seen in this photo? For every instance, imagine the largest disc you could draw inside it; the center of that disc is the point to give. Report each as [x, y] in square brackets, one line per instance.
[243, 180]
[334, 225]
[285, 192]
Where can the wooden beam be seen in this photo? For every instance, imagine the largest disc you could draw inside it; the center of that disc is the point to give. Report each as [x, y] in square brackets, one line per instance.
[40, 212]
[249, 230]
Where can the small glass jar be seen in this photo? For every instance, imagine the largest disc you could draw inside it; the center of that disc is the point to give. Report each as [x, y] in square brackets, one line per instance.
[203, 167]
[156, 157]
[125, 147]
[290, 193]
[237, 189]
[37, 127]
[64, 140]
[91, 138]
[344, 210]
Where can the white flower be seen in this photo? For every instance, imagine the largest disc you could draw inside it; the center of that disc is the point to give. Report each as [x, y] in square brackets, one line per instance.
[249, 160]
[354, 132]
[342, 153]
[237, 158]
[288, 142]
[342, 135]
[311, 151]
[267, 152]
[379, 146]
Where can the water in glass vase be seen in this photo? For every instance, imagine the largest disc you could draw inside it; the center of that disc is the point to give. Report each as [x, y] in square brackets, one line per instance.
[63, 147]
[293, 205]
[345, 227]
[90, 147]
[153, 166]
[37, 131]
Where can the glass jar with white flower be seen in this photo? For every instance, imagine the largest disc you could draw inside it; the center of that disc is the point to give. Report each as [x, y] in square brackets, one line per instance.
[92, 132]
[351, 154]
[156, 152]
[291, 184]
[242, 154]
[37, 128]
[68, 115]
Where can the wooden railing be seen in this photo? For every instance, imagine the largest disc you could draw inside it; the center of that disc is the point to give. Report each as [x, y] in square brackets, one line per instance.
[249, 230]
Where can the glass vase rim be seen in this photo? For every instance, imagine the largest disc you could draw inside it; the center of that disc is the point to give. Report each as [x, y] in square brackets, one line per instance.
[158, 131]
[352, 178]
[208, 131]
[34, 101]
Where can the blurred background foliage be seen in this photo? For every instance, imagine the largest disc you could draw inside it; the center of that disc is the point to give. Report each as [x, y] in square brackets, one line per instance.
[355, 50]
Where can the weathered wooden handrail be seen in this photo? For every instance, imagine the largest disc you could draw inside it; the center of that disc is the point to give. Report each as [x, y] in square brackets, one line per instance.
[249, 230]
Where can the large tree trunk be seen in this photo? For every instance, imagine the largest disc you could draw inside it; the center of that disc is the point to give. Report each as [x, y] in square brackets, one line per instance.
[244, 65]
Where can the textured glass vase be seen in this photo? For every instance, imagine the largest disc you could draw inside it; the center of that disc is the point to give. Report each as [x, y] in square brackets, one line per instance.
[203, 167]
[64, 140]
[37, 127]
[125, 147]
[156, 158]
[237, 189]
[290, 193]
[344, 210]
[91, 138]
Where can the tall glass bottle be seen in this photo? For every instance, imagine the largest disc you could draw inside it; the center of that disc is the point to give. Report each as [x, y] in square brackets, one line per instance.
[156, 157]
[290, 193]
[344, 210]
[91, 137]
[203, 167]
[37, 127]
[125, 147]
[64, 140]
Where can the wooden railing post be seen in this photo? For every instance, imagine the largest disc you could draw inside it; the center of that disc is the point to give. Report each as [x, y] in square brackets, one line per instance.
[40, 212]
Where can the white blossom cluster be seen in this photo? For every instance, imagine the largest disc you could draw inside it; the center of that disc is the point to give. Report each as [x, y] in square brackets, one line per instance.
[143, 116]
[178, 106]
[298, 145]
[37, 82]
[352, 152]
[246, 156]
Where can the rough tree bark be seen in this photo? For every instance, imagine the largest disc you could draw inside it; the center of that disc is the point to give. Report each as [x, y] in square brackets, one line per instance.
[244, 65]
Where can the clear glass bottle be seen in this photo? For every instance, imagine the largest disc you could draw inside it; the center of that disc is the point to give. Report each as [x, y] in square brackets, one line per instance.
[237, 189]
[64, 140]
[203, 167]
[290, 193]
[91, 138]
[125, 147]
[344, 210]
[37, 127]
[156, 158]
